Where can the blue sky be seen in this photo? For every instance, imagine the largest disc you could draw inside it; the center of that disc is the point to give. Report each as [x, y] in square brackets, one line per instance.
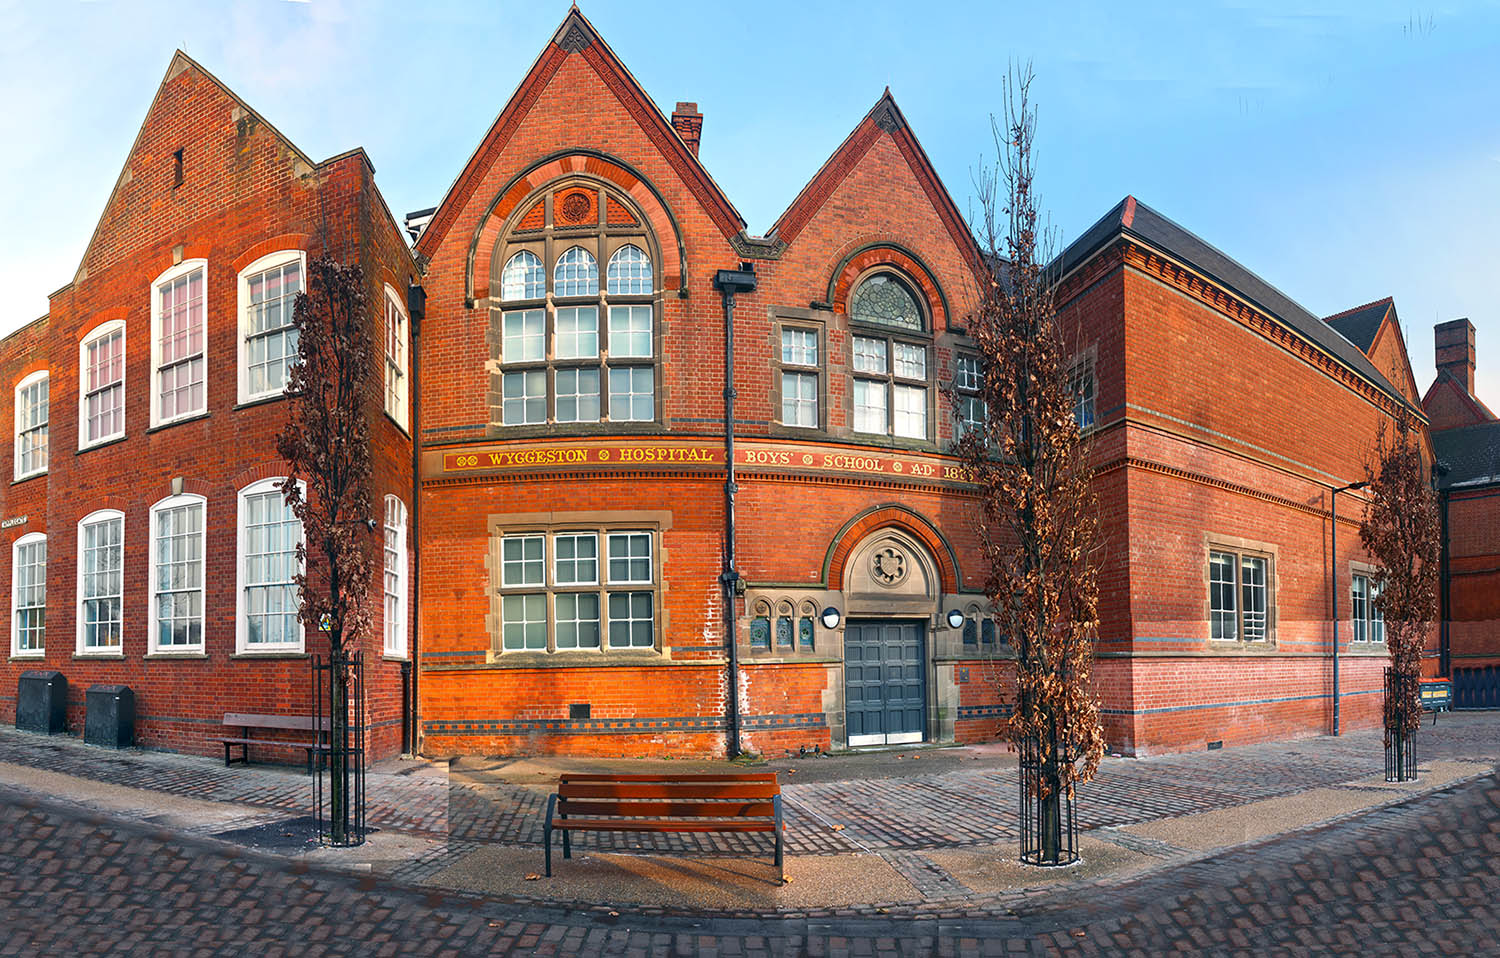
[1344, 155]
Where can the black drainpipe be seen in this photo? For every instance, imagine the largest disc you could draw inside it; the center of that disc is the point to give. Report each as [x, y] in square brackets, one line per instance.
[416, 306]
[729, 282]
[1439, 470]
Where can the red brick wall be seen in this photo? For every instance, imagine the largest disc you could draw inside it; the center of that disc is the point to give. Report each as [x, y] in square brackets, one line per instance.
[244, 192]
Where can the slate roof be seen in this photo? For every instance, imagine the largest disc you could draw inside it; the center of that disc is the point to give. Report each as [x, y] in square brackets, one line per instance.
[1471, 453]
[1360, 324]
[1131, 217]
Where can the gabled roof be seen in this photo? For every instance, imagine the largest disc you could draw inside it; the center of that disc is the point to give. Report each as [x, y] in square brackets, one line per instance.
[179, 62]
[1134, 219]
[577, 36]
[1471, 453]
[884, 117]
[1446, 380]
[1360, 324]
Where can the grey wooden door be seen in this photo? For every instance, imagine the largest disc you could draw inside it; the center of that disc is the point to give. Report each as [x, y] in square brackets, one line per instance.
[885, 683]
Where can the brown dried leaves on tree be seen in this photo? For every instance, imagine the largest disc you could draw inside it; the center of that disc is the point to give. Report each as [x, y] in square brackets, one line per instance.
[326, 442]
[1030, 463]
[1402, 533]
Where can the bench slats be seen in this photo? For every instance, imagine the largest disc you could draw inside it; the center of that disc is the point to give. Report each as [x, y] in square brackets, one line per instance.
[304, 723]
[668, 809]
[697, 825]
[665, 791]
[717, 777]
[266, 741]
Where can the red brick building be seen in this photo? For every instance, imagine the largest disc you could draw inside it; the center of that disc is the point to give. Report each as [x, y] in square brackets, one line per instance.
[144, 543]
[600, 564]
[577, 538]
[1466, 439]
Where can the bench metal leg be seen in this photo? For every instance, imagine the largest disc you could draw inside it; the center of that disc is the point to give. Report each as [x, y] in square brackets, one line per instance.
[780, 859]
[547, 832]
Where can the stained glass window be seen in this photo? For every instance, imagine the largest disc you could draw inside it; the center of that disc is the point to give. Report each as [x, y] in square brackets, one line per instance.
[884, 299]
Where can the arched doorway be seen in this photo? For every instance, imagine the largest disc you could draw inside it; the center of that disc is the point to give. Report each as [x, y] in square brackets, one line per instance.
[892, 588]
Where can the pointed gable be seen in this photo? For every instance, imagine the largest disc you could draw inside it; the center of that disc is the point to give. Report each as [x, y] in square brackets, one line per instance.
[886, 126]
[1360, 324]
[576, 37]
[198, 146]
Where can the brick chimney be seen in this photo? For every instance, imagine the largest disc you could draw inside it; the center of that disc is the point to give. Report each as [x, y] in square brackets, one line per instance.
[688, 123]
[1455, 351]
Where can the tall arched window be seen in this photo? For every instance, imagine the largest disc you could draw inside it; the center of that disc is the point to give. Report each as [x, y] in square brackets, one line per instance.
[891, 359]
[573, 350]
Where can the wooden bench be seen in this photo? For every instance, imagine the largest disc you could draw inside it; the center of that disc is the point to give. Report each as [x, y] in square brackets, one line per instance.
[664, 803]
[246, 721]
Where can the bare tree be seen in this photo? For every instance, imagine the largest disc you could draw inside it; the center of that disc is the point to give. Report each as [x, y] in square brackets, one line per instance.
[1401, 531]
[326, 442]
[1038, 513]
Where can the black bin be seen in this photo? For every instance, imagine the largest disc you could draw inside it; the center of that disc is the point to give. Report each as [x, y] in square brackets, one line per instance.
[110, 718]
[42, 702]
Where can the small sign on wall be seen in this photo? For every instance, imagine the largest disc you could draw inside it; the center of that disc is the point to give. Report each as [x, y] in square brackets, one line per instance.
[13, 521]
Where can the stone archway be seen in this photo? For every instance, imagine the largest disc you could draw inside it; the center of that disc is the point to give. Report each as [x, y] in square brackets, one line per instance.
[892, 590]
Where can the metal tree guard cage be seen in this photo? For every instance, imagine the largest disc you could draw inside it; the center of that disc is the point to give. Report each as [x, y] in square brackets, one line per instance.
[1046, 808]
[1400, 743]
[342, 755]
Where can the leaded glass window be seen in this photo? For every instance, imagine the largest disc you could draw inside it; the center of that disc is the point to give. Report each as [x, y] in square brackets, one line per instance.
[885, 300]
[586, 362]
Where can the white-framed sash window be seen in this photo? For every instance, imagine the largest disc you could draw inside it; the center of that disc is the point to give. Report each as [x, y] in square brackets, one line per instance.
[179, 342]
[101, 592]
[33, 405]
[268, 291]
[28, 596]
[395, 577]
[395, 358]
[177, 565]
[268, 601]
[101, 384]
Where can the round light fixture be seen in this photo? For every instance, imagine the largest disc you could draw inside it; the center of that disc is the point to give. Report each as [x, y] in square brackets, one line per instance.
[831, 618]
[955, 618]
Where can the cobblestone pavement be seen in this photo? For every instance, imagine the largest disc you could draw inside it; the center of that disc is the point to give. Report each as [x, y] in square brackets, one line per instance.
[912, 813]
[1418, 877]
[978, 807]
[406, 803]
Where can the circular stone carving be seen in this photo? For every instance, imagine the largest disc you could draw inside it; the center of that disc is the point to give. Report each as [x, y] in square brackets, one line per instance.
[575, 207]
[888, 566]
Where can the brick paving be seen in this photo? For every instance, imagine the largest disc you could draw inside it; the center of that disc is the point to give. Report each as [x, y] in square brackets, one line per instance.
[910, 813]
[980, 807]
[397, 801]
[1416, 877]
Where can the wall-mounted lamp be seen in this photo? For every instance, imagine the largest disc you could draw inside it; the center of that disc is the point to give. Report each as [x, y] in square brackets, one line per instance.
[955, 618]
[831, 618]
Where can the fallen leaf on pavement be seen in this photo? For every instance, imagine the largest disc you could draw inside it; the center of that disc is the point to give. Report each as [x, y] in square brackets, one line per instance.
[532, 876]
[835, 828]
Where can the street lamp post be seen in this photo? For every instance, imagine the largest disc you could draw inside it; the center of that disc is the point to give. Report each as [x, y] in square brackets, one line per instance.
[1334, 590]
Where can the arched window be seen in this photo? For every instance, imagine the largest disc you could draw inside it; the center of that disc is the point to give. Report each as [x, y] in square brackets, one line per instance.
[395, 577]
[891, 368]
[629, 271]
[576, 273]
[101, 384]
[101, 563]
[28, 596]
[32, 414]
[267, 605]
[524, 277]
[177, 579]
[571, 351]
[886, 300]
